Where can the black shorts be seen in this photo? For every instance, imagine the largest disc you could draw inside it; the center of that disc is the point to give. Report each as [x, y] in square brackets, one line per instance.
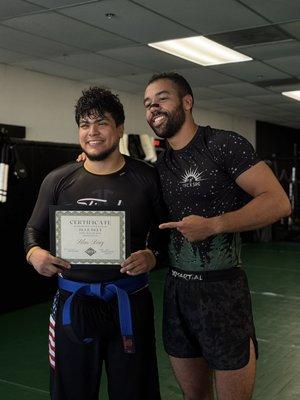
[75, 368]
[209, 315]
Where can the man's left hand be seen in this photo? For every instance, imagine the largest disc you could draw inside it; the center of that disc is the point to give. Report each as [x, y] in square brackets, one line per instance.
[139, 262]
[194, 227]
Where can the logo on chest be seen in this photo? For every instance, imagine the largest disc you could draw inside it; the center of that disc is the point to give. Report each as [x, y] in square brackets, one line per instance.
[192, 178]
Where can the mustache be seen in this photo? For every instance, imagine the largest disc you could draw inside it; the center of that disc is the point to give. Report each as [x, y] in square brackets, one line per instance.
[157, 113]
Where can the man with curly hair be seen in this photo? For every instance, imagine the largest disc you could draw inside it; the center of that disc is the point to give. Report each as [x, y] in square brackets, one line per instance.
[101, 314]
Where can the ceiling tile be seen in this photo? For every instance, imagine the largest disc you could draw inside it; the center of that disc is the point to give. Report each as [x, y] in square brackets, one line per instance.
[266, 51]
[139, 79]
[250, 36]
[59, 3]
[202, 93]
[206, 16]
[32, 45]
[293, 28]
[231, 110]
[13, 8]
[203, 76]
[66, 30]
[98, 64]
[289, 64]
[284, 88]
[236, 102]
[270, 99]
[206, 104]
[250, 71]
[53, 68]
[9, 57]
[130, 21]
[275, 10]
[147, 57]
[118, 85]
[240, 89]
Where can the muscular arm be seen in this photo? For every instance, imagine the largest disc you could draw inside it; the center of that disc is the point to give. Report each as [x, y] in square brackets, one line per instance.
[269, 204]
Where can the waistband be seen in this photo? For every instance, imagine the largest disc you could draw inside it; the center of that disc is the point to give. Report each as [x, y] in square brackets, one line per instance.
[208, 276]
[104, 291]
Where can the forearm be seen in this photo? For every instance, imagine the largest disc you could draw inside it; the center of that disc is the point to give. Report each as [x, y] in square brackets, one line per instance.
[34, 238]
[263, 210]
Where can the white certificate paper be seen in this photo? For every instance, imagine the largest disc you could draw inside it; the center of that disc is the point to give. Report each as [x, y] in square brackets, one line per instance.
[91, 236]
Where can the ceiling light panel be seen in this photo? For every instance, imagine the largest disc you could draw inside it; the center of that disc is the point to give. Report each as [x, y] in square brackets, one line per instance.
[293, 94]
[200, 50]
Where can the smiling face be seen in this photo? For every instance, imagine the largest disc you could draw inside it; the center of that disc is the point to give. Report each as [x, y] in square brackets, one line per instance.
[165, 111]
[99, 136]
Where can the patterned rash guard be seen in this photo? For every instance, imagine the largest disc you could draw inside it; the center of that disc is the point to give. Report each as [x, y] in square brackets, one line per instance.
[200, 179]
[135, 186]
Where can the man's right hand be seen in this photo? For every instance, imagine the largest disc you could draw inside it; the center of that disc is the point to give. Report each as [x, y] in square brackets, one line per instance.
[46, 264]
[81, 157]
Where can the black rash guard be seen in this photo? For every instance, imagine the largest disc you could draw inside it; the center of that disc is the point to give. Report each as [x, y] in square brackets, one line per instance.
[135, 186]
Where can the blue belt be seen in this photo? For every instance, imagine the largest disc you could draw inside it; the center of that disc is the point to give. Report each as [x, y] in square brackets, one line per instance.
[104, 291]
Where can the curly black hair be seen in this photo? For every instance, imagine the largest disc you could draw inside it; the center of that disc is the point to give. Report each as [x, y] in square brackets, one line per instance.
[182, 84]
[96, 101]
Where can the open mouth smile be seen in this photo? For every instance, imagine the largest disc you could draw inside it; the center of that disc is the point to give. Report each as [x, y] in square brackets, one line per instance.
[95, 142]
[158, 119]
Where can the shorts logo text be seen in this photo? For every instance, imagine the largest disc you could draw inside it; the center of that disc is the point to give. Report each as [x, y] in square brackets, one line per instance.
[187, 277]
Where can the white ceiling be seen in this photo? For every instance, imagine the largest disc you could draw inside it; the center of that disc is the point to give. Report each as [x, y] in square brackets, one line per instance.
[76, 40]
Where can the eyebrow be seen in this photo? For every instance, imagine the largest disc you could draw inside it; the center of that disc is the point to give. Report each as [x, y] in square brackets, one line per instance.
[157, 94]
[84, 119]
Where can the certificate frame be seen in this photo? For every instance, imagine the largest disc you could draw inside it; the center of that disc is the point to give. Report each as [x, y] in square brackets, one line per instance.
[60, 217]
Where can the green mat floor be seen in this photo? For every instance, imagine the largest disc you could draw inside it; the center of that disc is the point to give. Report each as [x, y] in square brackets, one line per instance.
[274, 278]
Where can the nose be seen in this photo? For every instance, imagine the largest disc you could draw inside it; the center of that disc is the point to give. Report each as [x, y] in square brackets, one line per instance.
[154, 106]
[93, 129]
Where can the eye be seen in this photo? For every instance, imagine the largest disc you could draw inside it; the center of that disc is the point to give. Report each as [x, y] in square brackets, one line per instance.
[83, 125]
[102, 122]
[163, 98]
[147, 105]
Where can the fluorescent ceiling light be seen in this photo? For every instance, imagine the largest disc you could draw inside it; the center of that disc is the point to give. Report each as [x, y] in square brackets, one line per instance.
[200, 50]
[294, 95]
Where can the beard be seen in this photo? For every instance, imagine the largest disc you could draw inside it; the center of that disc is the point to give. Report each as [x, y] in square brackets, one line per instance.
[172, 124]
[101, 155]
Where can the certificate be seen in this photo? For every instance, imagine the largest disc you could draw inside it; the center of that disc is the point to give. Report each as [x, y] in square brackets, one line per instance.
[89, 235]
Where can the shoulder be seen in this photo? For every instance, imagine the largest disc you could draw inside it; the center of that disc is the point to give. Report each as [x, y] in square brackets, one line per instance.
[139, 166]
[141, 170]
[214, 136]
[63, 172]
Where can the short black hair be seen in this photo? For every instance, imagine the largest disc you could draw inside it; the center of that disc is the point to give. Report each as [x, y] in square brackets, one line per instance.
[96, 101]
[182, 84]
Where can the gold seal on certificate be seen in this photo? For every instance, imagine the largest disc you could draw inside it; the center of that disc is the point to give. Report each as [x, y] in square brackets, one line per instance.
[89, 236]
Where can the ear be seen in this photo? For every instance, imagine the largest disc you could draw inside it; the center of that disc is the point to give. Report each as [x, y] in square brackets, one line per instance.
[120, 129]
[187, 102]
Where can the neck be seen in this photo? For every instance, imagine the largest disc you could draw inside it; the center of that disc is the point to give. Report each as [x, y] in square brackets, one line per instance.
[184, 135]
[113, 163]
